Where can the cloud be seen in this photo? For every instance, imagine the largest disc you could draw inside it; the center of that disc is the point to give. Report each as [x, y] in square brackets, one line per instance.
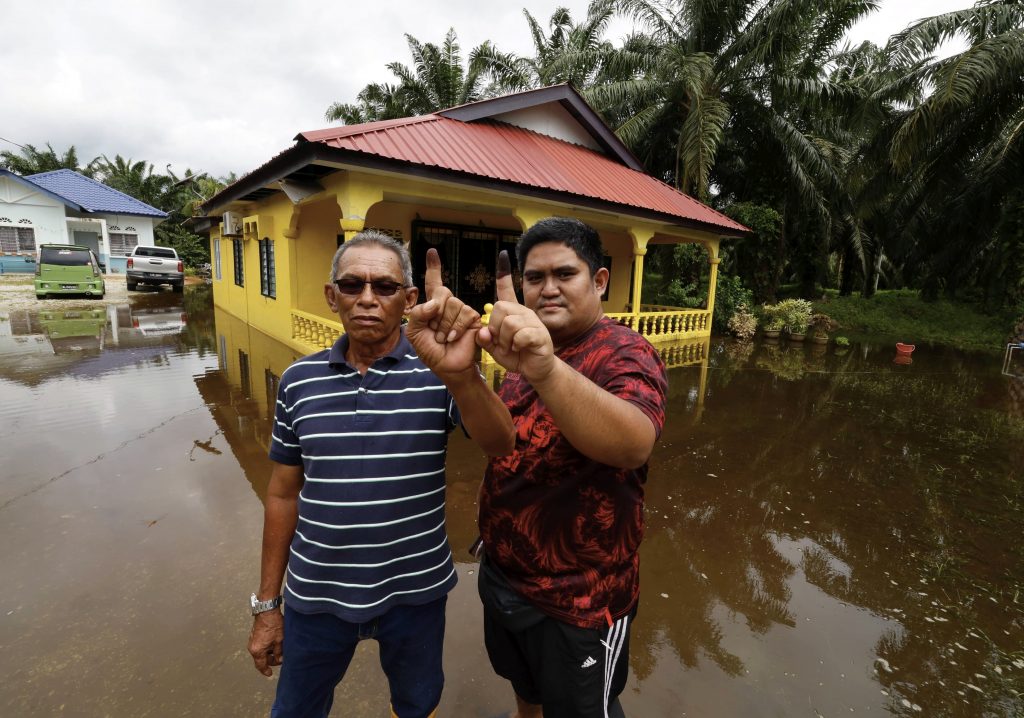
[218, 86]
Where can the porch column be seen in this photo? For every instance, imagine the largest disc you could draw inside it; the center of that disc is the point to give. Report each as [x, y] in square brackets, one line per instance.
[638, 282]
[352, 226]
[529, 216]
[712, 280]
[105, 241]
[640, 236]
[355, 197]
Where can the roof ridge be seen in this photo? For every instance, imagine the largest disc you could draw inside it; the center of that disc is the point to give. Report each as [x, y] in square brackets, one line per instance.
[336, 132]
[98, 185]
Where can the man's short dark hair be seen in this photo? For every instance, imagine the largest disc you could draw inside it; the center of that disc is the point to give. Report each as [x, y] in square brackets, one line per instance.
[574, 234]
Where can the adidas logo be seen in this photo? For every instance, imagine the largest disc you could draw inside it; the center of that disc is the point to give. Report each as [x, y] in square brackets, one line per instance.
[589, 662]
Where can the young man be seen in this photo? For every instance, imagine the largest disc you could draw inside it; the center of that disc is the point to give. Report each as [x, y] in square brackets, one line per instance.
[562, 516]
[355, 506]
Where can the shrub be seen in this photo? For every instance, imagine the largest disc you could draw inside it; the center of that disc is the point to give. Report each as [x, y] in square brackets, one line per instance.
[772, 317]
[743, 323]
[821, 324]
[796, 315]
[730, 295]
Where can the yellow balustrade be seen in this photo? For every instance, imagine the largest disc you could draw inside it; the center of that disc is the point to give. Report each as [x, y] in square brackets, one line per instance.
[667, 326]
[315, 332]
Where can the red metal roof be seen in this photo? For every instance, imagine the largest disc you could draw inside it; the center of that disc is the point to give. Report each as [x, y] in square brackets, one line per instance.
[501, 151]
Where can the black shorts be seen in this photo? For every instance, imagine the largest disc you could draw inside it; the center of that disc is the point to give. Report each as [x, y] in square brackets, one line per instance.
[572, 672]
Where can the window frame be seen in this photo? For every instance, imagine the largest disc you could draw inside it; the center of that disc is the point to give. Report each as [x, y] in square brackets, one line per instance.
[125, 250]
[19, 240]
[268, 269]
[238, 259]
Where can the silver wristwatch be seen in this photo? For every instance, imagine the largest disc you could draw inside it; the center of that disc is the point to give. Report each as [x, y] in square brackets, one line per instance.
[259, 607]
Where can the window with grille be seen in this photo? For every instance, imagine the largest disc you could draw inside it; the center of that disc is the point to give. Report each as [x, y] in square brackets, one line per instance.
[273, 382]
[17, 240]
[122, 243]
[236, 253]
[243, 373]
[268, 277]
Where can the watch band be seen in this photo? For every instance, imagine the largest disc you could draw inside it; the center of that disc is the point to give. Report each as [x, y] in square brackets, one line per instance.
[259, 607]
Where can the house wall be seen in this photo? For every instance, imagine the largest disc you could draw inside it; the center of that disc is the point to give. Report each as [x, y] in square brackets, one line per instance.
[143, 227]
[306, 236]
[21, 207]
[552, 120]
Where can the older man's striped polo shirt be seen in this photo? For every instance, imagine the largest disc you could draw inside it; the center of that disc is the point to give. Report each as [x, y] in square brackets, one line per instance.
[371, 529]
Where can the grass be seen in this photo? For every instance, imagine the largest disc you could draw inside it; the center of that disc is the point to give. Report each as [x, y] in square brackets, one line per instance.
[902, 315]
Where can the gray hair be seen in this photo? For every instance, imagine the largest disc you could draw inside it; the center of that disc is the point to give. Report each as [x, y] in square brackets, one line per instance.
[373, 237]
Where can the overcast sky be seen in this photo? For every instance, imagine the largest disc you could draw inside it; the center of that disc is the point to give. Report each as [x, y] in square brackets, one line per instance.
[223, 86]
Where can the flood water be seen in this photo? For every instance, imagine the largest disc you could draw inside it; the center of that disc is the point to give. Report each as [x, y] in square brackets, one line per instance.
[827, 534]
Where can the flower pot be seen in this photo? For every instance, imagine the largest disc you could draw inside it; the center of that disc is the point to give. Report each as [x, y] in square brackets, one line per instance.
[771, 333]
[819, 338]
[794, 337]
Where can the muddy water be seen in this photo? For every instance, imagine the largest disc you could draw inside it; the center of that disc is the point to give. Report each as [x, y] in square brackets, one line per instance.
[827, 534]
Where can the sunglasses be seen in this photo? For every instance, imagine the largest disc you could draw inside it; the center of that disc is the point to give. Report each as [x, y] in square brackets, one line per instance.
[354, 287]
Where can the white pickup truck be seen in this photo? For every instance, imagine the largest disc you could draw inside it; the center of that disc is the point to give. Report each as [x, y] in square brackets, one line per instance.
[155, 265]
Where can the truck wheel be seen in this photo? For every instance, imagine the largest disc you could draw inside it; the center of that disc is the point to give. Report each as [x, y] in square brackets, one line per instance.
[41, 296]
[179, 288]
[132, 286]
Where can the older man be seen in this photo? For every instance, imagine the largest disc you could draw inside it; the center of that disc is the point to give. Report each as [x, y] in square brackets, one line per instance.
[355, 507]
[562, 516]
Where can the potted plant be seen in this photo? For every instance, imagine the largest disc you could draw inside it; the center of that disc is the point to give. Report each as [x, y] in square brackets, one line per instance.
[796, 315]
[743, 323]
[773, 320]
[842, 346]
[820, 326]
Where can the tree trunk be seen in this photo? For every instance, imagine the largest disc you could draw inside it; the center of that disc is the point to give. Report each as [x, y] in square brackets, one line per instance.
[846, 273]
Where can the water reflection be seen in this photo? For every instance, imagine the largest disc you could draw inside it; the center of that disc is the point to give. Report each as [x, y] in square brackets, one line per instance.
[826, 531]
[824, 528]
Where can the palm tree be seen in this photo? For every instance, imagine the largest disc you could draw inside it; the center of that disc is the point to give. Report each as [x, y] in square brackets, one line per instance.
[571, 52]
[30, 160]
[135, 179]
[437, 80]
[958, 155]
[745, 71]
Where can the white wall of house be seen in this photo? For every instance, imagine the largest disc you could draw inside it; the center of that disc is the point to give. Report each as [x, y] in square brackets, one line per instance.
[44, 214]
[553, 121]
[142, 227]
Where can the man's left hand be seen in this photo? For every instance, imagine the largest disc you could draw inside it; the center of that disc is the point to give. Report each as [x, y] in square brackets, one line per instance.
[443, 329]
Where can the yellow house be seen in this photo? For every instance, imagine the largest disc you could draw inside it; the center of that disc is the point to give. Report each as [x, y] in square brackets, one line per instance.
[468, 181]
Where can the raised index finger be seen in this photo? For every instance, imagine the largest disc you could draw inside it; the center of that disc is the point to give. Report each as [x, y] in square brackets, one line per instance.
[503, 279]
[432, 278]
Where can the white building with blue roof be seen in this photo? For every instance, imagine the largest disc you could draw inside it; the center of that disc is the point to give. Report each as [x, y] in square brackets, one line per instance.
[65, 207]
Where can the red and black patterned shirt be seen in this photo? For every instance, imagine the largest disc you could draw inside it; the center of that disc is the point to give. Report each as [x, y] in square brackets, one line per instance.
[565, 529]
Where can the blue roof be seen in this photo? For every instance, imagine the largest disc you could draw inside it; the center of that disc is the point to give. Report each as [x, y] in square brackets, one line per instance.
[36, 188]
[90, 195]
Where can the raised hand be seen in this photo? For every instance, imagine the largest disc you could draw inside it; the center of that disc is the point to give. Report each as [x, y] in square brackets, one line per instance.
[442, 330]
[515, 336]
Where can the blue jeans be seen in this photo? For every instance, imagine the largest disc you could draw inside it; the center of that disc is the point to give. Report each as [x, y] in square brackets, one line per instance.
[319, 646]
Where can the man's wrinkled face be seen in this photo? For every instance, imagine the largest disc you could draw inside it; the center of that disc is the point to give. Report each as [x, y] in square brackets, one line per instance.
[558, 286]
[370, 317]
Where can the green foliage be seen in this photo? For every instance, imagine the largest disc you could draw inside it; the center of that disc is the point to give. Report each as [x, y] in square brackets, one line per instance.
[772, 317]
[796, 315]
[436, 81]
[730, 295]
[901, 315]
[757, 259]
[193, 250]
[842, 341]
[30, 161]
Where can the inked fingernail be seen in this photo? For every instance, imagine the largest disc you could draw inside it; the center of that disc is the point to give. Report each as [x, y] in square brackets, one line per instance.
[504, 264]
